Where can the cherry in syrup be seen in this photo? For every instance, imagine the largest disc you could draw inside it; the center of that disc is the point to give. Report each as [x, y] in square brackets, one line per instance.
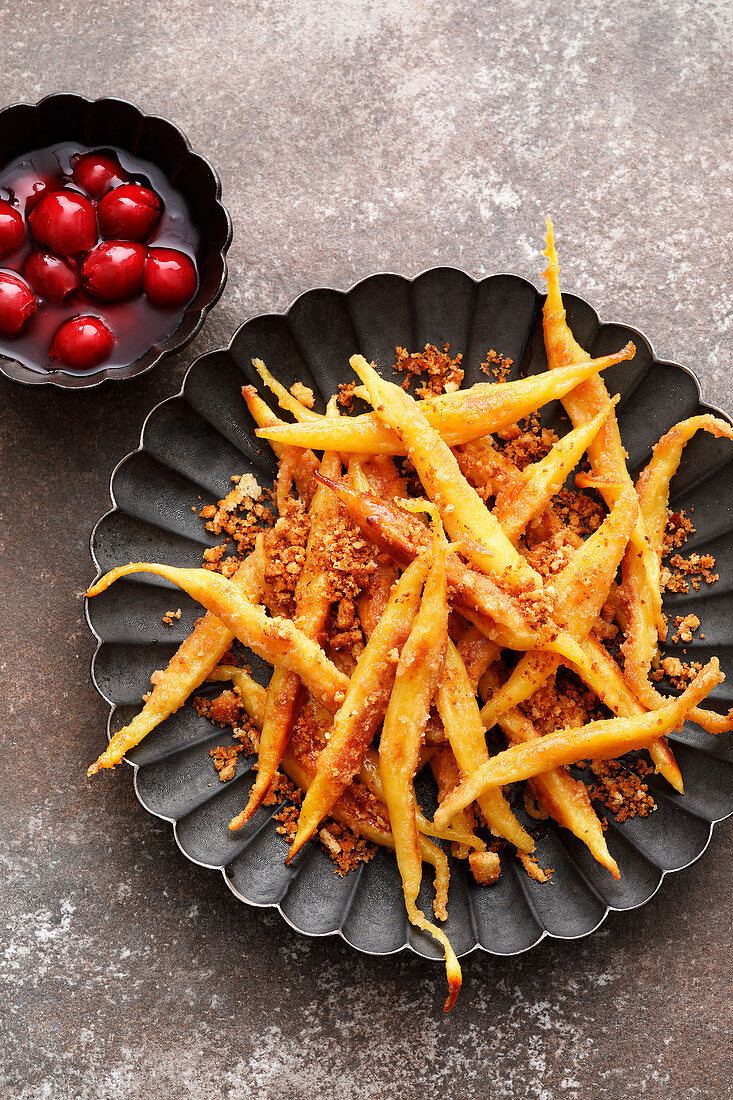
[17, 304]
[82, 342]
[113, 271]
[12, 228]
[64, 223]
[128, 212]
[51, 277]
[170, 278]
[96, 173]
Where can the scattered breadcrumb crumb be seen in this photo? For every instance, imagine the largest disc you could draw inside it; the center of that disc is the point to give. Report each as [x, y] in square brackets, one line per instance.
[303, 394]
[485, 867]
[527, 441]
[225, 760]
[496, 366]
[685, 626]
[583, 513]
[445, 374]
[621, 787]
[240, 515]
[697, 568]
[224, 709]
[679, 673]
[533, 869]
[678, 530]
[346, 394]
[284, 546]
[170, 617]
[562, 701]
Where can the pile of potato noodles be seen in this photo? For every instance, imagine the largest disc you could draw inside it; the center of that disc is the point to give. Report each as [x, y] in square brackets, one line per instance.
[449, 601]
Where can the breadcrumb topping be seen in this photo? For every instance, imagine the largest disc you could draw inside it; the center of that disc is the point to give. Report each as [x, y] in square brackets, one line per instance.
[621, 788]
[240, 515]
[304, 394]
[284, 546]
[527, 441]
[496, 366]
[678, 530]
[445, 374]
[695, 569]
[685, 626]
[533, 869]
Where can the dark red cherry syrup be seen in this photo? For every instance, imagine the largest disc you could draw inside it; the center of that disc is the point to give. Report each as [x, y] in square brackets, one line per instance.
[72, 250]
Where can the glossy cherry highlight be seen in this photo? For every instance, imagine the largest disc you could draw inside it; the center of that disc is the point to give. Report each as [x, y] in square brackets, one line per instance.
[17, 304]
[113, 271]
[12, 228]
[82, 342]
[64, 223]
[129, 212]
[96, 173]
[170, 277]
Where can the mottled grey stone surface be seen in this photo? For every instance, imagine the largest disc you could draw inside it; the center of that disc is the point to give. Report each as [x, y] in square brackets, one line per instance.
[350, 137]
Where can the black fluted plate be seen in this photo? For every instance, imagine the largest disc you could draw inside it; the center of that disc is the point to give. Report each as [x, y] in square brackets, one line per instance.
[191, 444]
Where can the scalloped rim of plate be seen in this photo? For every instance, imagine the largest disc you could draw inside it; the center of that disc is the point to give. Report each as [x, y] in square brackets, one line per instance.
[407, 946]
[59, 378]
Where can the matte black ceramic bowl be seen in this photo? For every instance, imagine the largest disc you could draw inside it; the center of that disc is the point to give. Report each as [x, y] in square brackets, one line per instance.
[114, 122]
[191, 445]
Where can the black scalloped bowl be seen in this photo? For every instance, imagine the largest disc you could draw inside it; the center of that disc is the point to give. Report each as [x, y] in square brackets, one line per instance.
[105, 122]
[190, 446]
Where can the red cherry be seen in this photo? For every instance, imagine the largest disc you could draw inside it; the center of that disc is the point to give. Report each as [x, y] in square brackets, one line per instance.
[129, 212]
[64, 222]
[96, 173]
[170, 277]
[113, 270]
[12, 229]
[17, 304]
[50, 276]
[82, 342]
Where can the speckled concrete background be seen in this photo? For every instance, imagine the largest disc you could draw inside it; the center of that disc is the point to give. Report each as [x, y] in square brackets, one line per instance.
[350, 136]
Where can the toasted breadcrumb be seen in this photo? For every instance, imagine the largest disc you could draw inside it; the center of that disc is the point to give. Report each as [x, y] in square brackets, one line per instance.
[496, 366]
[678, 530]
[347, 557]
[303, 394]
[346, 635]
[579, 510]
[485, 867]
[621, 788]
[225, 760]
[562, 702]
[346, 394]
[224, 709]
[551, 556]
[697, 568]
[679, 673]
[685, 626]
[240, 515]
[527, 441]
[170, 617]
[284, 546]
[533, 869]
[445, 374]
